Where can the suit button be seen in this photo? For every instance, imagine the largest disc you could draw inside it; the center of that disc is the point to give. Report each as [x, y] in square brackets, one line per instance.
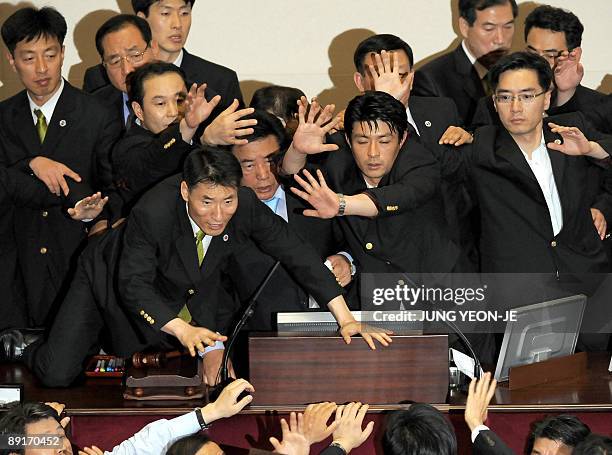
[553, 243]
[369, 246]
[145, 315]
[142, 312]
[191, 292]
[45, 214]
[400, 282]
[43, 250]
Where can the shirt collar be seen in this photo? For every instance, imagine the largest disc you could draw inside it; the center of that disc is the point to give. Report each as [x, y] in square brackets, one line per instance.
[480, 69]
[194, 227]
[179, 59]
[280, 194]
[536, 153]
[49, 107]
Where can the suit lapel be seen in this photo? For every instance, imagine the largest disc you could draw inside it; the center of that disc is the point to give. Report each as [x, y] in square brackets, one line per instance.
[472, 84]
[25, 127]
[186, 246]
[62, 120]
[421, 118]
[507, 148]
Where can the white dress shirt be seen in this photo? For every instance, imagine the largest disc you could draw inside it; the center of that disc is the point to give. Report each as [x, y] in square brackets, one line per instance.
[542, 169]
[156, 437]
[411, 121]
[49, 107]
[179, 59]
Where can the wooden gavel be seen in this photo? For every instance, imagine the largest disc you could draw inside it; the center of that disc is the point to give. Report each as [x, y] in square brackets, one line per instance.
[153, 359]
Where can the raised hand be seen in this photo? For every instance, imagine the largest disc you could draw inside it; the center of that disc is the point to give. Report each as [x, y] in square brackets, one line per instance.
[227, 404]
[574, 142]
[228, 127]
[194, 338]
[349, 434]
[341, 268]
[197, 108]
[324, 201]
[88, 208]
[599, 220]
[568, 71]
[59, 408]
[369, 333]
[315, 426]
[387, 78]
[456, 136]
[52, 173]
[294, 441]
[309, 138]
[477, 404]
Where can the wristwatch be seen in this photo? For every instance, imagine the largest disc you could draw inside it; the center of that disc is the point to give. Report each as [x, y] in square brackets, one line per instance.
[341, 204]
[203, 425]
[335, 444]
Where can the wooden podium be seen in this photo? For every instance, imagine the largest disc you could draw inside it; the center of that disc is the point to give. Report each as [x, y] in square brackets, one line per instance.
[297, 369]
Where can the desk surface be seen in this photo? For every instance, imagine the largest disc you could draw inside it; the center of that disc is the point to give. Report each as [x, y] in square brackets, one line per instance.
[591, 392]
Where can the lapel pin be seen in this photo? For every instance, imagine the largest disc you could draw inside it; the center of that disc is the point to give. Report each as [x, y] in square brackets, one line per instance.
[427, 123]
[225, 238]
[62, 123]
[558, 141]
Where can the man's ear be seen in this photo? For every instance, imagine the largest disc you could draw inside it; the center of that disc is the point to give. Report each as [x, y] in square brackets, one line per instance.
[141, 14]
[138, 111]
[11, 60]
[359, 82]
[404, 139]
[547, 97]
[154, 49]
[463, 27]
[494, 102]
[184, 191]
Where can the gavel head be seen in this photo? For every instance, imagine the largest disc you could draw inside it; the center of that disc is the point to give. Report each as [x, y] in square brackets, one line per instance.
[150, 360]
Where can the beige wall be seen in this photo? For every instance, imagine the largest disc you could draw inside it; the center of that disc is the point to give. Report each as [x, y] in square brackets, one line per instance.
[310, 44]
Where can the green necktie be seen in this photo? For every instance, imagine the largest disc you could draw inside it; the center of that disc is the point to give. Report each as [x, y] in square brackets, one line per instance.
[184, 314]
[41, 124]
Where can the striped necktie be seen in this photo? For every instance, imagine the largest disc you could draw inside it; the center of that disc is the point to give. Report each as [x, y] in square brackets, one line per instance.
[41, 125]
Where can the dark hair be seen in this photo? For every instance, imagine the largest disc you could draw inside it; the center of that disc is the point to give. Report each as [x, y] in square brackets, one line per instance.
[188, 445]
[28, 24]
[373, 106]
[142, 6]
[566, 429]
[267, 125]
[14, 421]
[376, 44]
[468, 8]
[119, 22]
[278, 100]
[518, 61]
[212, 165]
[136, 79]
[557, 20]
[419, 430]
[594, 444]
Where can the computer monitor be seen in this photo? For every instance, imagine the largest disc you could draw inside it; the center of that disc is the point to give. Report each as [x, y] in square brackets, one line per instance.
[400, 322]
[541, 331]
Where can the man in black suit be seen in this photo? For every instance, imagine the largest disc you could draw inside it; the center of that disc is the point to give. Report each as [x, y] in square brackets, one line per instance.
[384, 63]
[179, 238]
[487, 28]
[167, 117]
[388, 186]
[248, 268]
[529, 178]
[53, 131]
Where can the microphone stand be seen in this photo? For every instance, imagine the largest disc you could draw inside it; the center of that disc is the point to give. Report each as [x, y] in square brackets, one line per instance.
[223, 374]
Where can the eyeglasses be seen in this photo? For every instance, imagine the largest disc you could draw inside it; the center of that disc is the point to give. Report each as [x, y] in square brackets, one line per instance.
[550, 56]
[521, 97]
[132, 58]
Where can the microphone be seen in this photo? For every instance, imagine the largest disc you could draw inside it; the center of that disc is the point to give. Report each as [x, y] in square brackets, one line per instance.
[457, 331]
[223, 374]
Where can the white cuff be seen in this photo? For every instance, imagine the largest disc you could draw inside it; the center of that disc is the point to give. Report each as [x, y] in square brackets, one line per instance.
[477, 430]
[218, 345]
[87, 220]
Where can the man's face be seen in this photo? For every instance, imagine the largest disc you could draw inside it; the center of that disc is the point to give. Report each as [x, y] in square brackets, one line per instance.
[258, 166]
[39, 66]
[170, 21]
[365, 83]
[521, 117]
[163, 100]
[546, 43]
[52, 429]
[127, 46]
[375, 148]
[545, 446]
[492, 31]
[210, 206]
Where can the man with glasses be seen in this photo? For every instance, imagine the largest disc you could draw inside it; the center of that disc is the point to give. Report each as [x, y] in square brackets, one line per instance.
[530, 177]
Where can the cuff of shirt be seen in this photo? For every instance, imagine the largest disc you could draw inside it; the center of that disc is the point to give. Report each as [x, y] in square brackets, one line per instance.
[184, 425]
[350, 259]
[87, 220]
[218, 345]
[477, 430]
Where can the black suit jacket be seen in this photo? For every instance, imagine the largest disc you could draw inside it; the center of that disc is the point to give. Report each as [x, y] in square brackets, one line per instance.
[141, 159]
[516, 231]
[410, 233]
[113, 99]
[249, 266]
[159, 272]
[80, 135]
[487, 442]
[451, 75]
[95, 78]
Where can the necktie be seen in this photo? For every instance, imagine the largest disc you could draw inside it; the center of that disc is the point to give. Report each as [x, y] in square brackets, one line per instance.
[272, 203]
[184, 314]
[41, 124]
